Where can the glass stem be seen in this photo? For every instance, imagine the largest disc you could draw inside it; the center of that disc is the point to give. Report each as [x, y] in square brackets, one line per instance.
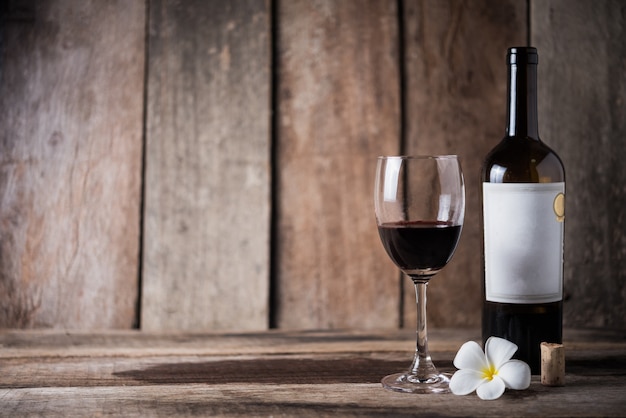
[422, 368]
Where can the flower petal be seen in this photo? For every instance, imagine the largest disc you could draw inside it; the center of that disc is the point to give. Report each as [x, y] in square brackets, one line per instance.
[515, 374]
[465, 381]
[491, 389]
[470, 356]
[498, 351]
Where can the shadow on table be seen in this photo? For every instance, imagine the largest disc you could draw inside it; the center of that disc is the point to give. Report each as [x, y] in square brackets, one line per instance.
[279, 370]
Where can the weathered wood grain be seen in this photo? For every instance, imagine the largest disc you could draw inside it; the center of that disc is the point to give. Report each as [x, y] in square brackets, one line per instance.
[71, 88]
[455, 103]
[207, 194]
[338, 109]
[135, 344]
[582, 115]
[328, 373]
[309, 400]
[16, 344]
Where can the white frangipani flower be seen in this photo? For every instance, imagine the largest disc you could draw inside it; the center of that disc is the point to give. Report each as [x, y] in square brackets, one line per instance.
[491, 372]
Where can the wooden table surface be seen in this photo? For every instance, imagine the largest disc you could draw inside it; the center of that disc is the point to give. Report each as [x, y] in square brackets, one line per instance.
[278, 373]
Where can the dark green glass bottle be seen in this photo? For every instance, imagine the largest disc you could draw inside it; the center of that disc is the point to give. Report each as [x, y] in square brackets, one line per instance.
[523, 190]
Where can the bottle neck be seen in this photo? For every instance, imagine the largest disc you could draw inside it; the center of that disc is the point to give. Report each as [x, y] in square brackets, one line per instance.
[522, 100]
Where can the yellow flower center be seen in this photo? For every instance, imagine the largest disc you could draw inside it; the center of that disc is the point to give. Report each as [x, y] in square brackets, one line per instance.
[490, 372]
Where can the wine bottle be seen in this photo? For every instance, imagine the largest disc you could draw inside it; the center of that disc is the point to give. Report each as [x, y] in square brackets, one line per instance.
[523, 190]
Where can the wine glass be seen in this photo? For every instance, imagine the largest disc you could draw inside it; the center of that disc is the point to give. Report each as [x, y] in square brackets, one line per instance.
[419, 205]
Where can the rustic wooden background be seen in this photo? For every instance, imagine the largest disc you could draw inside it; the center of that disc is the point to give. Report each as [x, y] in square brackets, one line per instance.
[207, 165]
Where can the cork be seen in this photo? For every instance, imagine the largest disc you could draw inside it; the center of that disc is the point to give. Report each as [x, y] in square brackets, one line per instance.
[552, 364]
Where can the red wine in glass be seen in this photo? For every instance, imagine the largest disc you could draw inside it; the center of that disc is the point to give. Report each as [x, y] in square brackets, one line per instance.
[420, 247]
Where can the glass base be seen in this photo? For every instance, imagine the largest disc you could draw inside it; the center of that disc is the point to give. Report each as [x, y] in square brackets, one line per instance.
[410, 383]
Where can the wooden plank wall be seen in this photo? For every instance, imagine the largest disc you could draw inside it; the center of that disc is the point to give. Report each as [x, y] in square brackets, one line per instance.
[200, 165]
[338, 108]
[71, 106]
[207, 184]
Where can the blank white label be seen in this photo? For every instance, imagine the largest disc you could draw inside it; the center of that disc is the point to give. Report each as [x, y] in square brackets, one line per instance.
[523, 242]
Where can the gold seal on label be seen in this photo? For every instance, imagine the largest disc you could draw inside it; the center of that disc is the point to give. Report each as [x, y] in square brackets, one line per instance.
[559, 207]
